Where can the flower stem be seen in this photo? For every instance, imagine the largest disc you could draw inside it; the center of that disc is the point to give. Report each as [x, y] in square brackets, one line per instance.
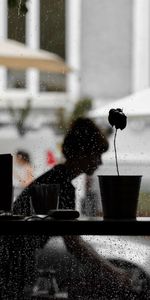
[116, 152]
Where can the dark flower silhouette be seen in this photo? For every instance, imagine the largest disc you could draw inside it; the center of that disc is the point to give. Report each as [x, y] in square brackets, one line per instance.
[117, 118]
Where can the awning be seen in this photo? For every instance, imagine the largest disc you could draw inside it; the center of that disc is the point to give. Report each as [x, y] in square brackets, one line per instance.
[15, 55]
[134, 106]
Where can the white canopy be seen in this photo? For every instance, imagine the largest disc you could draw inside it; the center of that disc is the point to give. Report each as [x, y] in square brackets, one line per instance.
[134, 105]
[15, 55]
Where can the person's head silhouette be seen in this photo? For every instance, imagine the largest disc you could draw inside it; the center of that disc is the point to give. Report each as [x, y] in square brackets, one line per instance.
[83, 146]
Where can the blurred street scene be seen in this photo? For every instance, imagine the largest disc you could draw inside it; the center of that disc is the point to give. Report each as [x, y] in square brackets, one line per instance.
[88, 63]
[62, 59]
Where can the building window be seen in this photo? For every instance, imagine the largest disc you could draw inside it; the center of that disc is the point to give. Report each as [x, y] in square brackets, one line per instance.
[16, 31]
[52, 38]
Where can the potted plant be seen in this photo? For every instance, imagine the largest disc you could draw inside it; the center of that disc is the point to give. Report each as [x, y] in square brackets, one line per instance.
[119, 193]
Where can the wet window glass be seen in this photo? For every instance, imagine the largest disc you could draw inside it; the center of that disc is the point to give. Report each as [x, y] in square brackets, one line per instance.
[74, 116]
[94, 71]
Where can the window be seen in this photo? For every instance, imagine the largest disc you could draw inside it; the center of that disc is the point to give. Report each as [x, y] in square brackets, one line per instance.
[52, 38]
[16, 31]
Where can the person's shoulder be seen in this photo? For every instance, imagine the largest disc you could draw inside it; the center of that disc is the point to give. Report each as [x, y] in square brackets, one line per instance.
[57, 171]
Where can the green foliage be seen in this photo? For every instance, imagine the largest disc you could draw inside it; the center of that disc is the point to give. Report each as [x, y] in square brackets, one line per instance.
[19, 117]
[80, 109]
[144, 204]
[61, 117]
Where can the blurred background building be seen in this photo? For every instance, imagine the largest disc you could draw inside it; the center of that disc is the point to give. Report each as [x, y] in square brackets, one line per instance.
[106, 44]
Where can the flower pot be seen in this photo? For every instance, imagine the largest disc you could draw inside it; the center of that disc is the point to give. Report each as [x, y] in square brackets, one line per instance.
[119, 195]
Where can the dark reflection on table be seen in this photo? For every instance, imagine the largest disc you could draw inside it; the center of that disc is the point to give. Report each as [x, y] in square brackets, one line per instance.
[57, 270]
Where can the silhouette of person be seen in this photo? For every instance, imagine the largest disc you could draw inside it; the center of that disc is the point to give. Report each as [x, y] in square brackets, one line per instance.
[82, 148]
[23, 171]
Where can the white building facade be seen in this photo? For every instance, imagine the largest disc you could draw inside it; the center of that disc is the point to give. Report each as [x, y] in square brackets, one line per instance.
[107, 45]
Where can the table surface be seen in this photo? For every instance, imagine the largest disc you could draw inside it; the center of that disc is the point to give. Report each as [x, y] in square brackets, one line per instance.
[80, 226]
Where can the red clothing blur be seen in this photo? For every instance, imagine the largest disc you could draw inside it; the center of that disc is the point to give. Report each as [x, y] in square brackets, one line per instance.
[50, 158]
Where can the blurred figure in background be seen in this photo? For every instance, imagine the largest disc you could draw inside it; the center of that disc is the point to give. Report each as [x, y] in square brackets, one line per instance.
[23, 173]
